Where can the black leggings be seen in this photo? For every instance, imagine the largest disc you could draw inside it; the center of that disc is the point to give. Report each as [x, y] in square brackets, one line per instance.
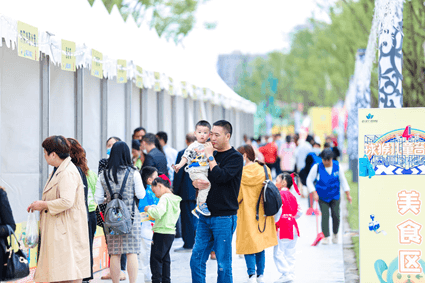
[160, 257]
[335, 212]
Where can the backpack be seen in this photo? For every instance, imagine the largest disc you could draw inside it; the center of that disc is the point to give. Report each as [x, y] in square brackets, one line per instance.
[118, 220]
[271, 198]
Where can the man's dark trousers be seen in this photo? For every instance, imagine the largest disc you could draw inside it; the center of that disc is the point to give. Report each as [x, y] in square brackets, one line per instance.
[189, 223]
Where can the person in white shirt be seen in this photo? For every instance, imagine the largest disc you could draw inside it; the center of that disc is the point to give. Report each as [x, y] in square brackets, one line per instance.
[329, 177]
[170, 153]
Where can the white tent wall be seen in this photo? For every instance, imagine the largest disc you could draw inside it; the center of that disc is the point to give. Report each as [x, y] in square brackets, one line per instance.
[178, 120]
[19, 130]
[135, 108]
[62, 102]
[149, 112]
[240, 127]
[116, 110]
[189, 115]
[209, 110]
[217, 113]
[92, 140]
[166, 114]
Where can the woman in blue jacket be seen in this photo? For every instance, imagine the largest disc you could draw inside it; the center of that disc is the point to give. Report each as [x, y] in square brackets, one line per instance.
[329, 177]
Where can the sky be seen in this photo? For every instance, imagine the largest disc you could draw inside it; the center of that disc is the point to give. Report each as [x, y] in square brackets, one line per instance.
[250, 26]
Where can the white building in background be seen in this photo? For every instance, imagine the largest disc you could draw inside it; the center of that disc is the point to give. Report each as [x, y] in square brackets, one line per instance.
[39, 99]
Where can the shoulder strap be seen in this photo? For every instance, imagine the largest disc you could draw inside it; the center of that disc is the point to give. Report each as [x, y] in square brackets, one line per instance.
[107, 183]
[265, 171]
[124, 181]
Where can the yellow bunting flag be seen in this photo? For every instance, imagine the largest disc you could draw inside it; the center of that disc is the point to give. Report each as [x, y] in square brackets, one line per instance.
[170, 86]
[28, 41]
[121, 71]
[157, 86]
[96, 64]
[194, 91]
[184, 90]
[204, 90]
[68, 57]
[139, 78]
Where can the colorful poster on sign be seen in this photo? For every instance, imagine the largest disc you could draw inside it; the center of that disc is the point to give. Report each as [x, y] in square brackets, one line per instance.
[157, 86]
[28, 41]
[68, 56]
[139, 77]
[391, 175]
[96, 64]
[121, 71]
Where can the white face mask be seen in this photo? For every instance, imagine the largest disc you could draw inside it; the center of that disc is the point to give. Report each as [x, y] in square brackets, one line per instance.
[145, 152]
[317, 151]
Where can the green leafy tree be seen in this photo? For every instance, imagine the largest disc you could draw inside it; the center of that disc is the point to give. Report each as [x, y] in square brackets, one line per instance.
[173, 19]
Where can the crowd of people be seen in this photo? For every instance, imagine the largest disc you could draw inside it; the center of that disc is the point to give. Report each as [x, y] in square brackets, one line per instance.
[213, 188]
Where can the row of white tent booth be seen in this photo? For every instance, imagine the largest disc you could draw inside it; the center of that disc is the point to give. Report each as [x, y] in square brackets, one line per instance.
[38, 98]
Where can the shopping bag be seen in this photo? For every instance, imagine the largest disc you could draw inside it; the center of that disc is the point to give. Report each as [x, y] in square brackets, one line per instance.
[31, 231]
[364, 166]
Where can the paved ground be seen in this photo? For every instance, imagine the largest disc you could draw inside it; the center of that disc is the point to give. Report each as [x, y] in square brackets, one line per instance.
[314, 264]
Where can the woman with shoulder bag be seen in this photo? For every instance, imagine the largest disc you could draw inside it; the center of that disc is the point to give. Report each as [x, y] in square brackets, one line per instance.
[252, 241]
[64, 240]
[119, 163]
[6, 219]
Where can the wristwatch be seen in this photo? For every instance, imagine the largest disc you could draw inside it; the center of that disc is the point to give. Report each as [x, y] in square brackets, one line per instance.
[211, 158]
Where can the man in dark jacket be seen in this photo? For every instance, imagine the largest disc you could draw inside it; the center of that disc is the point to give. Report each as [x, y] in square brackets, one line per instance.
[182, 186]
[155, 157]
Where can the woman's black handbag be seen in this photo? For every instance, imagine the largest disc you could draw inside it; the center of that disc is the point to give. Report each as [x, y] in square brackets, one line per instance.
[16, 264]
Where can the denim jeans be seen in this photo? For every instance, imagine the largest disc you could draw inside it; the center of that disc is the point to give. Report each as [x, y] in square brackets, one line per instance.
[214, 231]
[258, 259]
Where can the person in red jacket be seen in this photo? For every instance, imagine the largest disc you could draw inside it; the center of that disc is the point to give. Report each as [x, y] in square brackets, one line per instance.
[269, 151]
[287, 228]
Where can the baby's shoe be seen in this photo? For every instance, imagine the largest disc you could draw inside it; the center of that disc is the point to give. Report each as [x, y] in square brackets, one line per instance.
[195, 213]
[203, 209]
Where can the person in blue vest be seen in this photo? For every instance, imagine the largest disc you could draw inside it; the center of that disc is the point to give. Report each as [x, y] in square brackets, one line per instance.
[324, 181]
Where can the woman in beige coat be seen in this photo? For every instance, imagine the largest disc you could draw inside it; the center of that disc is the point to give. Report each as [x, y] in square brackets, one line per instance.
[252, 236]
[64, 244]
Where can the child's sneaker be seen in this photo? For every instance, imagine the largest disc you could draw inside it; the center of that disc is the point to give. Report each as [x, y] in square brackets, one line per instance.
[335, 239]
[195, 213]
[203, 209]
[260, 279]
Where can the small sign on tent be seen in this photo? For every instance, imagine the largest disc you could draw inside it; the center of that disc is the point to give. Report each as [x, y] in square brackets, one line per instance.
[68, 55]
[121, 71]
[28, 41]
[96, 64]
[139, 77]
[157, 86]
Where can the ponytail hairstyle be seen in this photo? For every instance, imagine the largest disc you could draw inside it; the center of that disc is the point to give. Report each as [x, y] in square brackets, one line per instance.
[290, 180]
[250, 153]
[165, 183]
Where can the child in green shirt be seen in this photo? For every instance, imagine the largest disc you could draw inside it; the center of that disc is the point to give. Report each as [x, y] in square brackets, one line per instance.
[166, 214]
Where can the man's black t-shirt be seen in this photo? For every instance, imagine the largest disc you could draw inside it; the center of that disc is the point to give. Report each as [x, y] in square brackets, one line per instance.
[225, 179]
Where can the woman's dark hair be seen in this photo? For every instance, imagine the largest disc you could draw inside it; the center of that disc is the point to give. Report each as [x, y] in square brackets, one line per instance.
[135, 144]
[78, 155]
[119, 159]
[146, 173]
[327, 154]
[250, 153]
[115, 138]
[150, 138]
[57, 144]
[288, 178]
[159, 180]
